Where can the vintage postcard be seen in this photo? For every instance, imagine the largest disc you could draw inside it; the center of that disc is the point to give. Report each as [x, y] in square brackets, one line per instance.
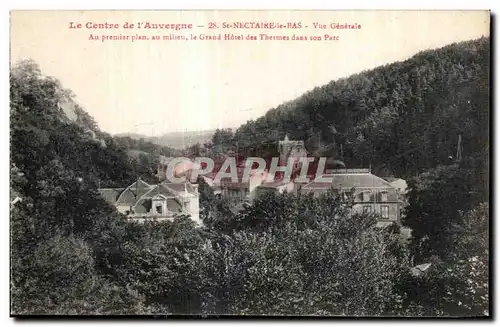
[250, 163]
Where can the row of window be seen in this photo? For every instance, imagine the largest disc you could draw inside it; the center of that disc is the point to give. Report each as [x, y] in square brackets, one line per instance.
[384, 210]
[235, 193]
[369, 197]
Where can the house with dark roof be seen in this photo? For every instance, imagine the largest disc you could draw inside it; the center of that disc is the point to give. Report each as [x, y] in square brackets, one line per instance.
[141, 200]
[372, 194]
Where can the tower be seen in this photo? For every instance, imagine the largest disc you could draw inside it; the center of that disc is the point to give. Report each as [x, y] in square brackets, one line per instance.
[288, 147]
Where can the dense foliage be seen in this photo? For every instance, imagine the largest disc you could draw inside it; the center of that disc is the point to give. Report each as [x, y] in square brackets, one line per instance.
[61, 230]
[72, 253]
[401, 118]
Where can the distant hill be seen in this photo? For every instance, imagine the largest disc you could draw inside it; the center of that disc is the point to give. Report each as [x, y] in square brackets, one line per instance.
[135, 136]
[175, 140]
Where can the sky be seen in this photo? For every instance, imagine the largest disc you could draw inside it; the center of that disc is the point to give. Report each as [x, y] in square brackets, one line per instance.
[154, 87]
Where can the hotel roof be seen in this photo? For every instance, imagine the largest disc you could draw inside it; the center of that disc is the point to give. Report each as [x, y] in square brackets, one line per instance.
[349, 180]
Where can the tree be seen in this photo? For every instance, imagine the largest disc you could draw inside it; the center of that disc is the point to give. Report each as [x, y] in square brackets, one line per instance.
[315, 257]
[459, 285]
[222, 141]
[59, 230]
[436, 199]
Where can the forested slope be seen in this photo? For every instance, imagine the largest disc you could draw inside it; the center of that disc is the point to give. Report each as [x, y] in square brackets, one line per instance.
[65, 239]
[400, 118]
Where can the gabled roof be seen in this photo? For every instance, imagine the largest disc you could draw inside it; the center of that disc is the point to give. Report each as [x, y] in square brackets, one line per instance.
[161, 189]
[140, 190]
[169, 190]
[164, 191]
[133, 192]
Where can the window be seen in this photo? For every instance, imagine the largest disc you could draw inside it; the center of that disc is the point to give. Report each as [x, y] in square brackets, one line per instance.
[384, 211]
[366, 196]
[158, 209]
[367, 209]
[383, 197]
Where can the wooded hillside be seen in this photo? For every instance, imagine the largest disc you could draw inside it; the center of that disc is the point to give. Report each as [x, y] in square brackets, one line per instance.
[400, 118]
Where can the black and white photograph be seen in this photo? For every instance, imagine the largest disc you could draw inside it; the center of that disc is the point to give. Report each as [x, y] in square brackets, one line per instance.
[250, 163]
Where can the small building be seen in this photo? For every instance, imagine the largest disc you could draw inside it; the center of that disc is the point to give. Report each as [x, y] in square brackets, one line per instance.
[141, 200]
